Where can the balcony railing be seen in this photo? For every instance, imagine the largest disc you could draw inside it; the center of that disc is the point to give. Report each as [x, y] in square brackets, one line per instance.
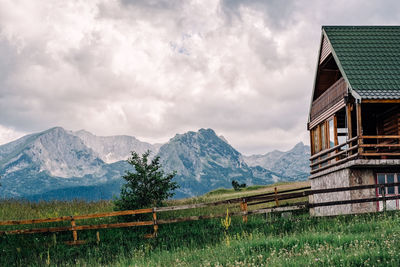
[380, 146]
[329, 98]
[366, 147]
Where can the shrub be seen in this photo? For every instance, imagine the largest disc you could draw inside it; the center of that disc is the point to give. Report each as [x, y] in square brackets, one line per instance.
[237, 186]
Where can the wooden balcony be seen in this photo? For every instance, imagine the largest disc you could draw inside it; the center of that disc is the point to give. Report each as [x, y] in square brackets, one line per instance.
[363, 147]
[329, 98]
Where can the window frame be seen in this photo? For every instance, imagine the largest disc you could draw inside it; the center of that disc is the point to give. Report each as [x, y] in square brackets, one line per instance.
[323, 130]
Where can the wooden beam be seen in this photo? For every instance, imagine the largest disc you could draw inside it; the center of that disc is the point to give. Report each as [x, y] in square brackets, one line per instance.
[359, 127]
[19, 222]
[336, 141]
[380, 136]
[78, 217]
[334, 155]
[77, 228]
[380, 145]
[359, 121]
[335, 129]
[250, 198]
[155, 226]
[326, 114]
[348, 120]
[262, 200]
[322, 153]
[312, 142]
[328, 158]
[74, 232]
[319, 137]
[334, 164]
[380, 154]
[376, 101]
[352, 201]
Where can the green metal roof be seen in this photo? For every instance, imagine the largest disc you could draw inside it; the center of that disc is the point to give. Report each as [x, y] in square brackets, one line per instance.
[369, 58]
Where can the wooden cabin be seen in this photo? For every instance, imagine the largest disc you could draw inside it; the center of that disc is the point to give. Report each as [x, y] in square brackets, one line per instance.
[354, 118]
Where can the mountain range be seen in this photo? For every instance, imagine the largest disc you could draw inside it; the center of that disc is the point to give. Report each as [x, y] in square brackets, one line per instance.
[61, 164]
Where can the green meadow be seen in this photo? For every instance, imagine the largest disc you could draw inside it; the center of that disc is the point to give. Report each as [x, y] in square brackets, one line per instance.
[272, 240]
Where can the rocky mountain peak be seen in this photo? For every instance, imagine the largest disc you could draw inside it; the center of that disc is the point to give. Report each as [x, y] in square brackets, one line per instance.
[114, 148]
[300, 147]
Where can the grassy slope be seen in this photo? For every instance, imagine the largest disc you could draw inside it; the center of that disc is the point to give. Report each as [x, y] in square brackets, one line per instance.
[368, 240]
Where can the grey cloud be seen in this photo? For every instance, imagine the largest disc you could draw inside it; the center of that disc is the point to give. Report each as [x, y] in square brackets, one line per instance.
[155, 68]
[153, 4]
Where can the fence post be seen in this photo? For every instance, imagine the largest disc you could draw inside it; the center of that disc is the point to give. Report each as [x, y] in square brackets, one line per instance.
[155, 226]
[98, 237]
[243, 207]
[74, 232]
[276, 197]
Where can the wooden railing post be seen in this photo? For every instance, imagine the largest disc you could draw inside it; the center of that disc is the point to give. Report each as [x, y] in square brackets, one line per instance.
[276, 197]
[155, 225]
[74, 232]
[243, 207]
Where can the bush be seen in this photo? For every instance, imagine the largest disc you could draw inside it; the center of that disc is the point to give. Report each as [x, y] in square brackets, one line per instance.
[237, 186]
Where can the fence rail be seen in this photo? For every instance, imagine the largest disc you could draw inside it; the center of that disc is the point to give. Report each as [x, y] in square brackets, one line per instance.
[245, 202]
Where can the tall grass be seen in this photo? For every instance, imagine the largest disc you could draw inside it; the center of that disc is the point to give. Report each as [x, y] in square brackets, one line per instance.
[363, 240]
[353, 240]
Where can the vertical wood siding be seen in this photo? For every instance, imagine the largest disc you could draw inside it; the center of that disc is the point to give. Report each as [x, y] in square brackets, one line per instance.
[325, 50]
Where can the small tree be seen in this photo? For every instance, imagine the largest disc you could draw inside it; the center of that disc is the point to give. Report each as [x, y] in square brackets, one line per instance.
[147, 186]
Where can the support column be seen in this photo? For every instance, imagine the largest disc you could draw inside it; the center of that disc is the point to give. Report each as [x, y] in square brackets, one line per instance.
[349, 125]
[359, 127]
[348, 119]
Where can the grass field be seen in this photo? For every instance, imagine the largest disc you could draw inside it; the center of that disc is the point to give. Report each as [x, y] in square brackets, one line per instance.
[356, 240]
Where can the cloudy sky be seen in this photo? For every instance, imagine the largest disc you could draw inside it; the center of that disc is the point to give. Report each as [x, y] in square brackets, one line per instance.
[156, 68]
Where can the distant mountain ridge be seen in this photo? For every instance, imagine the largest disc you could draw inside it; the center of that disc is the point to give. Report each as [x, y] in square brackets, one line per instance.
[114, 148]
[61, 164]
[293, 163]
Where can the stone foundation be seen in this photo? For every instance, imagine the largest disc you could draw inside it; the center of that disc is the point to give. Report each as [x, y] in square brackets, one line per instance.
[353, 173]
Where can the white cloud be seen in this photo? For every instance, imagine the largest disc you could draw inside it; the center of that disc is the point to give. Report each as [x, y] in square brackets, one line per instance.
[9, 134]
[155, 68]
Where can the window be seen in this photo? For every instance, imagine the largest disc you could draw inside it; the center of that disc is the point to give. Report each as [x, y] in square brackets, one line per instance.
[323, 136]
[315, 134]
[398, 187]
[331, 133]
[388, 178]
[381, 178]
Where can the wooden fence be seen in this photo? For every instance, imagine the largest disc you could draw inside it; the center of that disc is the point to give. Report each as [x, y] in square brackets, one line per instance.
[244, 203]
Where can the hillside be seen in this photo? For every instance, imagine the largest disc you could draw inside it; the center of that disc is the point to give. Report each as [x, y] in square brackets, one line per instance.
[296, 240]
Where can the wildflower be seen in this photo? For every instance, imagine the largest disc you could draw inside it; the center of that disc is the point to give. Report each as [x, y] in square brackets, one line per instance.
[227, 221]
